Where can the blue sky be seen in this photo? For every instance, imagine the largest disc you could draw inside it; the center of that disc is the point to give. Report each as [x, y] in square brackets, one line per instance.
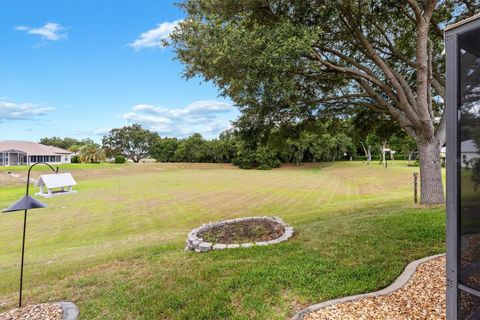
[79, 68]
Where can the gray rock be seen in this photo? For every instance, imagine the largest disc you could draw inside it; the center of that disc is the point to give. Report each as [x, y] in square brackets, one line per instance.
[219, 246]
[202, 229]
[205, 246]
[233, 245]
[274, 241]
[70, 310]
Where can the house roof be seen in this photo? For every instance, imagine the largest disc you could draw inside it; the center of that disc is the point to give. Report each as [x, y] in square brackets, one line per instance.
[467, 146]
[462, 22]
[31, 148]
[56, 180]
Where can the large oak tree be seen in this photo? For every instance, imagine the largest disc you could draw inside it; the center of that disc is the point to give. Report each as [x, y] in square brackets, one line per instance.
[134, 142]
[281, 60]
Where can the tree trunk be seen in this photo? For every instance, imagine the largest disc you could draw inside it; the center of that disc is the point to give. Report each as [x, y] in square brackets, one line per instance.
[384, 154]
[431, 186]
[368, 154]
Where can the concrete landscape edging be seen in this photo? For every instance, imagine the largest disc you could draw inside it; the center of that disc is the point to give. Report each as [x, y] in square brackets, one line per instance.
[399, 283]
[70, 310]
[195, 243]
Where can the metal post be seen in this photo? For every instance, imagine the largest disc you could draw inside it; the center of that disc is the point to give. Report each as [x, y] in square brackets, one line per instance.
[23, 255]
[415, 187]
[25, 229]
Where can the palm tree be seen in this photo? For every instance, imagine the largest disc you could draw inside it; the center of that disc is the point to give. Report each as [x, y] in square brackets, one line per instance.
[75, 149]
[91, 153]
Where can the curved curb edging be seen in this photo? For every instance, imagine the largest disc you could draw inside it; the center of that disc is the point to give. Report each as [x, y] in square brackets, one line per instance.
[70, 310]
[195, 243]
[399, 283]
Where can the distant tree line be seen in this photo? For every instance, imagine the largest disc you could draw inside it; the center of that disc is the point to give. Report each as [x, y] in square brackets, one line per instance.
[264, 146]
[363, 136]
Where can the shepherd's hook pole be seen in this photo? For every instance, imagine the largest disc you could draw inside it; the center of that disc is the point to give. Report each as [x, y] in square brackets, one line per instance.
[25, 229]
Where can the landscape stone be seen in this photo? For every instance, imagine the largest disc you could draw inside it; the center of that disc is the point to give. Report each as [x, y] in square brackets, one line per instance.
[274, 241]
[219, 246]
[205, 246]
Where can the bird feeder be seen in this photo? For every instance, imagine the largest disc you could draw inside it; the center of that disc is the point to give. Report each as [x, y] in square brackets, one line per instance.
[55, 184]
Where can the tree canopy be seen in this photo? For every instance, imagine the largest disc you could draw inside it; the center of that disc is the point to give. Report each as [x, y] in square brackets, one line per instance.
[134, 142]
[65, 143]
[286, 60]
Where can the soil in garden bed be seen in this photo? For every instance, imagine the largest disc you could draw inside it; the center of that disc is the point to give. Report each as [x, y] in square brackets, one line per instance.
[243, 232]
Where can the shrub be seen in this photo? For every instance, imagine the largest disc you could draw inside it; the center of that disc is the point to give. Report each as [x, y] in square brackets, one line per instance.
[266, 159]
[263, 159]
[246, 160]
[120, 159]
[74, 159]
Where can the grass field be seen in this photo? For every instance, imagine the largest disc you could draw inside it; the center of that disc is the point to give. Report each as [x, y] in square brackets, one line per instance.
[116, 247]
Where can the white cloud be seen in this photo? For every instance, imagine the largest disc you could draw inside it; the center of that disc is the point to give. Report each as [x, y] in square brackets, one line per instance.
[154, 38]
[205, 117]
[49, 31]
[21, 111]
[96, 132]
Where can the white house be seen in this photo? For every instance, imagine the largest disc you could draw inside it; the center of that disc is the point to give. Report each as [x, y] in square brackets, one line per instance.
[55, 184]
[468, 152]
[14, 153]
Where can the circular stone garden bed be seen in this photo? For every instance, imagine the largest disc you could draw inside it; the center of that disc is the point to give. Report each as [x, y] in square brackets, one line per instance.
[237, 233]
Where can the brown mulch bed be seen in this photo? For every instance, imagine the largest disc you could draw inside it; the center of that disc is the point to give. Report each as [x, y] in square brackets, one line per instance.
[243, 232]
[422, 298]
[44, 311]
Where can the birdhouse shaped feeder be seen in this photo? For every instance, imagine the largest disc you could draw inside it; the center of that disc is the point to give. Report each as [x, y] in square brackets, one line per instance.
[55, 184]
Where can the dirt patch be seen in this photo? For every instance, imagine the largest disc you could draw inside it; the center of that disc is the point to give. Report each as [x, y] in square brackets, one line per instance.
[243, 232]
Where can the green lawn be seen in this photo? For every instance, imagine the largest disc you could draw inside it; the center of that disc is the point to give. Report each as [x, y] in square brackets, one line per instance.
[116, 247]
